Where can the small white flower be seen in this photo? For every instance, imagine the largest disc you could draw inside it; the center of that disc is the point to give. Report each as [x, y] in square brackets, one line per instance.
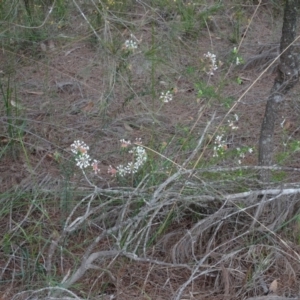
[213, 62]
[140, 157]
[250, 150]
[130, 45]
[124, 143]
[220, 145]
[138, 141]
[215, 154]
[83, 161]
[231, 125]
[95, 166]
[218, 139]
[79, 147]
[166, 97]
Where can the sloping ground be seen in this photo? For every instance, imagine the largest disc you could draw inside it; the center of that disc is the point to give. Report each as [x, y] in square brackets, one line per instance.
[195, 242]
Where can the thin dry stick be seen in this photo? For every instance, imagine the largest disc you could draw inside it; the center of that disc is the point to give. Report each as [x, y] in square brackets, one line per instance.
[195, 274]
[34, 294]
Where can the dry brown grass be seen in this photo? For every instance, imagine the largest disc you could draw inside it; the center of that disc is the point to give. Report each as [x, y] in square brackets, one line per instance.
[176, 233]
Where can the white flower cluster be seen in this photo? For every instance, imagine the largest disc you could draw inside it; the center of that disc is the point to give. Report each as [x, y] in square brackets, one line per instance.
[238, 60]
[82, 158]
[232, 123]
[220, 145]
[80, 150]
[140, 157]
[213, 62]
[130, 45]
[242, 153]
[124, 143]
[166, 97]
